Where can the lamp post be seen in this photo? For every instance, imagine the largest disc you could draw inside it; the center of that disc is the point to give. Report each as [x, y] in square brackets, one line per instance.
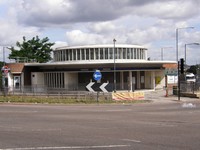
[178, 87]
[177, 29]
[4, 56]
[114, 40]
[186, 48]
[162, 48]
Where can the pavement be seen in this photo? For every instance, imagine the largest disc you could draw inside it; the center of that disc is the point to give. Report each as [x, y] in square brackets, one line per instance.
[159, 96]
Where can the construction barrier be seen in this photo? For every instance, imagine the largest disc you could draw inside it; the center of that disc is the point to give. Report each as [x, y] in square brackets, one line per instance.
[119, 96]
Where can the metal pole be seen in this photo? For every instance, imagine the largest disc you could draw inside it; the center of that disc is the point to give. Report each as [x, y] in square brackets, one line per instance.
[4, 61]
[114, 40]
[186, 48]
[177, 58]
[177, 44]
[185, 53]
[179, 83]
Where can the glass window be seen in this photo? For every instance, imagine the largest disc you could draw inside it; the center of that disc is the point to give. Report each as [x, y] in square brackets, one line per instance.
[70, 54]
[135, 53]
[61, 54]
[78, 54]
[142, 54]
[106, 53]
[119, 53]
[138, 53]
[96, 53]
[128, 53]
[74, 54]
[132, 53]
[55, 56]
[124, 53]
[111, 53]
[92, 54]
[87, 54]
[66, 54]
[101, 53]
[83, 54]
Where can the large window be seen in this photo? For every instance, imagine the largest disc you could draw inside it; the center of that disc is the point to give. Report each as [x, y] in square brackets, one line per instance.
[119, 53]
[54, 79]
[101, 53]
[87, 54]
[110, 53]
[106, 53]
[82, 54]
[74, 54]
[128, 53]
[96, 53]
[67, 57]
[70, 54]
[78, 54]
[124, 53]
[92, 54]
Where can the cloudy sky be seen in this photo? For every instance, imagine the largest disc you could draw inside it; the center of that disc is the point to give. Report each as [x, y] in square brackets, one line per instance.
[151, 23]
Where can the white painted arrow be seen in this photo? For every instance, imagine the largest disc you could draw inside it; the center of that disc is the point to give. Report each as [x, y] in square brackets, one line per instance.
[89, 86]
[102, 87]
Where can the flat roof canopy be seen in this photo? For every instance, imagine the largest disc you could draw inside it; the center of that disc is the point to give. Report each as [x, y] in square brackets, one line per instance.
[104, 65]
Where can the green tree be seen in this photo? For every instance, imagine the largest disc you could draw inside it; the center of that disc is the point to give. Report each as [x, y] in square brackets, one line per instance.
[193, 69]
[35, 49]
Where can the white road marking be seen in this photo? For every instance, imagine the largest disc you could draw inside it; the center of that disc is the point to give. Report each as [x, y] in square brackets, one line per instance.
[68, 147]
[118, 110]
[131, 140]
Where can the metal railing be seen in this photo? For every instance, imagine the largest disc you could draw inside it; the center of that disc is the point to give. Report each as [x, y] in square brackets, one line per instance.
[189, 87]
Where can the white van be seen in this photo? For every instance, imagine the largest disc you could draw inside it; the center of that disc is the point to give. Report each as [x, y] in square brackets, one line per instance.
[190, 77]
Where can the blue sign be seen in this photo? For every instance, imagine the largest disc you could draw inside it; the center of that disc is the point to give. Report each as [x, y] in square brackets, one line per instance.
[97, 75]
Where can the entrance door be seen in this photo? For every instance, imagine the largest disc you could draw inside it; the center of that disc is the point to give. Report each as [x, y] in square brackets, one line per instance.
[17, 80]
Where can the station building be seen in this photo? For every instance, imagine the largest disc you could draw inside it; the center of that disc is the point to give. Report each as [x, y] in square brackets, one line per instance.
[72, 68]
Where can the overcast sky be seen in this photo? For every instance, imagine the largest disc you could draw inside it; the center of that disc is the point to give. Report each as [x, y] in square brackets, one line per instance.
[150, 23]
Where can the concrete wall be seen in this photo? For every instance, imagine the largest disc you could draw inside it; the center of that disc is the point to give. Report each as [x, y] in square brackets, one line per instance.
[71, 81]
[37, 78]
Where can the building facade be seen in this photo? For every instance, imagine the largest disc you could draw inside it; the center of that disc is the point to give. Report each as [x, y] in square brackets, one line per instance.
[72, 68]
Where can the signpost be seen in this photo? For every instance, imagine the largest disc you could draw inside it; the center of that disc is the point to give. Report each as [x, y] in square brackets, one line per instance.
[170, 71]
[98, 86]
[97, 75]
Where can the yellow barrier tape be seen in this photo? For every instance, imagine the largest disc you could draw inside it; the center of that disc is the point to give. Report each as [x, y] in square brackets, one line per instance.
[128, 96]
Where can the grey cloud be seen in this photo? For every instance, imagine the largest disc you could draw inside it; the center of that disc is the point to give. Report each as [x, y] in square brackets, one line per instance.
[61, 12]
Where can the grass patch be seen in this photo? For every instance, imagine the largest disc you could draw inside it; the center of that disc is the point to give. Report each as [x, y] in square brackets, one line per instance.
[58, 100]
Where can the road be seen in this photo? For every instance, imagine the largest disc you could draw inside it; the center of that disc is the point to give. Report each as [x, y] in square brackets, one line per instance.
[149, 126]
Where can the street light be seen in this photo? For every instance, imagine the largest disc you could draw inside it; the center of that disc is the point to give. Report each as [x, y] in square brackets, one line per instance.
[162, 48]
[178, 88]
[114, 40]
[177, 29]
[186, 48]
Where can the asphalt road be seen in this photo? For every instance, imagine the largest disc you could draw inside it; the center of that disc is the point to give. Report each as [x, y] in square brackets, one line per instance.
[152, 126]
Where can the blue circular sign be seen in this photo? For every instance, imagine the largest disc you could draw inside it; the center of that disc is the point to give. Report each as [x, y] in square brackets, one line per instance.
[97, 75]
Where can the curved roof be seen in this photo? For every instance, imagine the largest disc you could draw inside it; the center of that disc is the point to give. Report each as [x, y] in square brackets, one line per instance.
[101, 46]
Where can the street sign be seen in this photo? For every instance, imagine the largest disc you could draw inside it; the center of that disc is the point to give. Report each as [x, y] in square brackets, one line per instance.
[99, 87]
[5, 71]
[89, 87]
[97, 75]
[170, 71]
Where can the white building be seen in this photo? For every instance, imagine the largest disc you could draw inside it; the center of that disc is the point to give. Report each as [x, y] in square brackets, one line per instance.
[73, 67]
